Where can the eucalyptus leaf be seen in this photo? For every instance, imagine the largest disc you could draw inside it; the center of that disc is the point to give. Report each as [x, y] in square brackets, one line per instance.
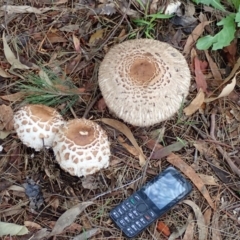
[12, 229]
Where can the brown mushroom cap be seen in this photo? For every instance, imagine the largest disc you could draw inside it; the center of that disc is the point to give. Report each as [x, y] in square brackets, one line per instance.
[81, 147]
[36, 125]
[144, 81]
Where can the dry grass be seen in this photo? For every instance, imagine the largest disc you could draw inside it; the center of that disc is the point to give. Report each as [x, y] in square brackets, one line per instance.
[27, 35]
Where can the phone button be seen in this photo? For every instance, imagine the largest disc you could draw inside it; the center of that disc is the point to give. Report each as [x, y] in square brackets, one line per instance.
[130, 231]
[152, 213]
[131, 215]
[124, 207]
[147, 217]
[143, 221]
[128, 205]
[142, 207]
[115, 214]
[123, 222]
[137, 198]
[120, 211]
[134, 227]
[136, 213]
[127, 219]
[139, 224]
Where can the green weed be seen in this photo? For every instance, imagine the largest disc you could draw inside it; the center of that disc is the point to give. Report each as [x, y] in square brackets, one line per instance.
[147, 23]
[229, 25]
[52, 92]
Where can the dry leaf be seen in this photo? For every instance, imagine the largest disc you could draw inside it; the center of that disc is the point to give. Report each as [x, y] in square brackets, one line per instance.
[231, 52]
[121, 127]
[231, 75]
[189, 172]
[214, 68]
[101, 105]
[96, 36]
[216, 233]
[68, 217]
[200, 78]
[4, 134]
[74, 227]
[226, 90]
[189, 233]
[14, 97]
[208, 180]
[54, 202]
[6, 117]
[193, 37]
[132, 150]
[162, 227]
[165, 151]
[76, 43]
[106, 9]
[10, 9]
[195, 104]
[41, 234]
[32, 225]
[177, 233]
[69, 28]
[43, 75]
[55, 37]
[207, 218]
[87, 234]
[12, 229]
[202, 228]
[90, 182]
[10, 56]
[4, 74]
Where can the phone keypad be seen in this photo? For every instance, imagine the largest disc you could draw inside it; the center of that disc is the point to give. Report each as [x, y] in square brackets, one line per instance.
[133, 215]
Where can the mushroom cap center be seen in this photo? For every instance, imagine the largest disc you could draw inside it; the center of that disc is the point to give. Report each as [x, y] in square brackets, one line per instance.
[81, 135]
[44, 113]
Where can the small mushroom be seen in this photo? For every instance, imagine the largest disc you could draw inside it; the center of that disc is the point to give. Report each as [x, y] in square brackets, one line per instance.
[144, 81]
[36, 125]
[81, 147]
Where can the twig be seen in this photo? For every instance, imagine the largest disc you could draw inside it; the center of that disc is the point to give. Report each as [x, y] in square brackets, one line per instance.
[116, 27]
[91, 105]
[219, 148]
[115, 189]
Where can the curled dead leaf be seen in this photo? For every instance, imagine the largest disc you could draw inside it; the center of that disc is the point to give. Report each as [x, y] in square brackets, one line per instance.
[132, 150]
[202, 228]
[10, 55]
[6, 117]
[226, 90]
[121, 127]
[14, 97]
[76, 43]
[68, 217]
[4, 74]
[32, 225]
[195, 104]
[10, 9]
[189, 172]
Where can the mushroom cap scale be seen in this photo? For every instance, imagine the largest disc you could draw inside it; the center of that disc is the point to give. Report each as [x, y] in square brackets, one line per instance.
[144, 81]
[36, 125]
[81, 147]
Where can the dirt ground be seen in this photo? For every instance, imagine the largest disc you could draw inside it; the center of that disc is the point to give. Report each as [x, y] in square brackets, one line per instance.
[67, 40]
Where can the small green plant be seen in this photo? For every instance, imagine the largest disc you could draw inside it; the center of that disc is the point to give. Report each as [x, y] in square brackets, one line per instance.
[229, 24]
[148, 22]
[51, 91]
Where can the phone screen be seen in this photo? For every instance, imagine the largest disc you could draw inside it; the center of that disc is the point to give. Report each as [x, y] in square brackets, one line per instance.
[165, 190]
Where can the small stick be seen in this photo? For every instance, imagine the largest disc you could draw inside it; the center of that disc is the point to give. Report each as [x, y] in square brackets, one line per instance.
[90, 106]
[219, 148]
